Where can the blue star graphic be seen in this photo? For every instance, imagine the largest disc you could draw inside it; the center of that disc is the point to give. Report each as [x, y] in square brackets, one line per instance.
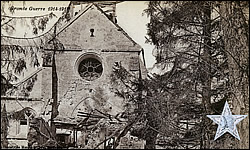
[226, 122]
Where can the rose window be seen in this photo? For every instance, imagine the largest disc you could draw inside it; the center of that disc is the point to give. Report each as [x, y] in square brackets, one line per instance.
[90, 69]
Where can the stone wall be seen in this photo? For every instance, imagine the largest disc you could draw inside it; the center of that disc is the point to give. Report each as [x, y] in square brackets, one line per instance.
[75, 93]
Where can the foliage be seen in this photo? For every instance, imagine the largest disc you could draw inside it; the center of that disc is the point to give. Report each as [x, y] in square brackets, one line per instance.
[159, 108]
[5, 85]
[190, 44]
[13, 63]
[191, 34]
[16, 57]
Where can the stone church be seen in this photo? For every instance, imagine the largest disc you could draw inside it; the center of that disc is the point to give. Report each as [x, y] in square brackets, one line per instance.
[86, 106]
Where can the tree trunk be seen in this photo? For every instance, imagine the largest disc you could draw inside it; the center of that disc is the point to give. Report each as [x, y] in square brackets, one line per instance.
[235, 30]
[152, 126]
[54, 88]
[207, 77]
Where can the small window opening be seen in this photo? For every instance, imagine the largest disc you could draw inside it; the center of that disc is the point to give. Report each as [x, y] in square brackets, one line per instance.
[23, 122]
[92, 32]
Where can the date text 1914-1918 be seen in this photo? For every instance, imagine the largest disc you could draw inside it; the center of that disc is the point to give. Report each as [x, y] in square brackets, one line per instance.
[57, 8]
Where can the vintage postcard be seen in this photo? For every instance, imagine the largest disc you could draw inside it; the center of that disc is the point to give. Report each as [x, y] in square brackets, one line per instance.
[124, 74]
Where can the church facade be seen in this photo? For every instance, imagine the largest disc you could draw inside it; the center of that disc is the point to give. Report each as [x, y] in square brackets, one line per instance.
[87, 109]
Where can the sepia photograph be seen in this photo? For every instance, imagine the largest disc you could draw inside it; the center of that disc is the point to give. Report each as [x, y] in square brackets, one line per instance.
[124, 74]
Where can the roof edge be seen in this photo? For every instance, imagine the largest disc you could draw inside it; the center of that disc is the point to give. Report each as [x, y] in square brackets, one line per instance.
[120, 28]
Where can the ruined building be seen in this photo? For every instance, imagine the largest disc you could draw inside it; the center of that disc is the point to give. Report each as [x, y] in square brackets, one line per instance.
[76, 92]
